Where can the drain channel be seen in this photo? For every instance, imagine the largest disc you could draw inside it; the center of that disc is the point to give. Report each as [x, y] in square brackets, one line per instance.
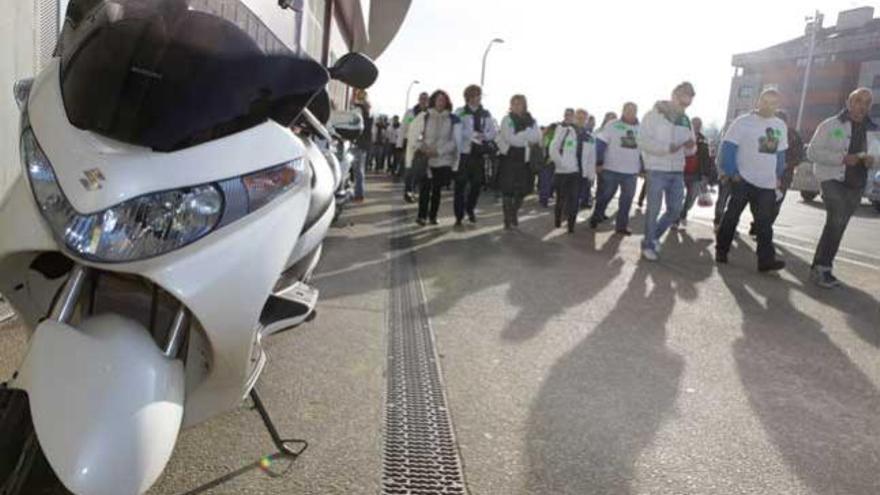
[420, 454]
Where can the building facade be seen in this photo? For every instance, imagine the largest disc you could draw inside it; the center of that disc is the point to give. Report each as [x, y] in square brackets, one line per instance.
[846, 56]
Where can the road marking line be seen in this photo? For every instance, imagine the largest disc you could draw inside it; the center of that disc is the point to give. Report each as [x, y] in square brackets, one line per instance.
[744, 234]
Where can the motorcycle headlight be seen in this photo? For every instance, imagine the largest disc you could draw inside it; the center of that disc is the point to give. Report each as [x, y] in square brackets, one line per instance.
[153, 224]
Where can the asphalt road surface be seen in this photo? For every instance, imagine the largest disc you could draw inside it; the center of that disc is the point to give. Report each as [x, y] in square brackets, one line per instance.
[571, 366]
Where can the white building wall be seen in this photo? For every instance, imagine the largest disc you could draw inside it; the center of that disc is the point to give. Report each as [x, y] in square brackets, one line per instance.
[18, 59]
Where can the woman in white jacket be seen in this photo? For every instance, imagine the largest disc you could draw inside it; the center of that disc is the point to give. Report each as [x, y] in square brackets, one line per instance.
[436, 134]
[573, 152]
[518, 133]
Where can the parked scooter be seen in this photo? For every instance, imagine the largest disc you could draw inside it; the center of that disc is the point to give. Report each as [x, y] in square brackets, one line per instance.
[345, 127]
[170, 214]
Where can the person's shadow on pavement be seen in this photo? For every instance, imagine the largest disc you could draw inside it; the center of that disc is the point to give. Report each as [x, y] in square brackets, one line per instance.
[603, 403]
[817, 407]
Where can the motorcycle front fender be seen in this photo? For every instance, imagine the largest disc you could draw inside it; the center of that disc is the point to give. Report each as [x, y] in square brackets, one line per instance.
[107, 405]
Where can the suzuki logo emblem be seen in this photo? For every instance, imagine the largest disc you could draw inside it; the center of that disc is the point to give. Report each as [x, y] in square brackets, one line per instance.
[93, 180]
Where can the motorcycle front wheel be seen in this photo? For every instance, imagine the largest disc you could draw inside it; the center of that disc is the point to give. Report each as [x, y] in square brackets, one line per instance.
[24, 469]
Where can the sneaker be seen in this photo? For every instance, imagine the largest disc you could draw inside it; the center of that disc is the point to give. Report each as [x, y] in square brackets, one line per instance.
[594, 223]
[720, 257]
[624, 232]
[422, 222]
[472, 218]
[824, 278]
[830, 276]
[683, 223]
[458, 222]
[433, 221]
[773, 266]
[649, 254]
[409, 197]
[358, 200]
[675, 226]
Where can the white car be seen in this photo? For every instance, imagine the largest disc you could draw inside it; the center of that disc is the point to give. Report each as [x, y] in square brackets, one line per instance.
[805, 182]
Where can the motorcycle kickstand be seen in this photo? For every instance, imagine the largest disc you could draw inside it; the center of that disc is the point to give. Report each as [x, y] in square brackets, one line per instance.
[280, 444]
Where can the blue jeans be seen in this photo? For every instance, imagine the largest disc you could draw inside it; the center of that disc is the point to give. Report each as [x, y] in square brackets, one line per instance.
[545, 185]
[660, 184]
[841, 203]
[360, 159]
[610, 182]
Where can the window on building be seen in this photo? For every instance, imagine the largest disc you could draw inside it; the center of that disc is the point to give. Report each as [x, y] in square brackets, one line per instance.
[314, 21]
[746, 92]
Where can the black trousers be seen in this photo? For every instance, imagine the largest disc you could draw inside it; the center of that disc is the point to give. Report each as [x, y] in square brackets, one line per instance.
[468, 184]
[762, 203]
[568, 187]
[431, 191]
[511, 204]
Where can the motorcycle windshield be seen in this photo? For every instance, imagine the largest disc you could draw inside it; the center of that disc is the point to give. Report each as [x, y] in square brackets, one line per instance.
[170, 74]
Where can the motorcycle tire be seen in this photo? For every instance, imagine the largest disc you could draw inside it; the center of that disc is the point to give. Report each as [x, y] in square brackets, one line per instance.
[24, 469]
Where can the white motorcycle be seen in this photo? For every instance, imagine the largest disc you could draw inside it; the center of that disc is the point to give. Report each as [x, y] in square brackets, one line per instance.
[171, 211]
[345, 127]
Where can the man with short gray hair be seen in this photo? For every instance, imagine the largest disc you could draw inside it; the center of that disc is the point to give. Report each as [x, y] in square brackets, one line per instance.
[842, 154]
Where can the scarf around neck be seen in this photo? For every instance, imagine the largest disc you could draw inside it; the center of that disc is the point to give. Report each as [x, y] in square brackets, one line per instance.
[521, 122]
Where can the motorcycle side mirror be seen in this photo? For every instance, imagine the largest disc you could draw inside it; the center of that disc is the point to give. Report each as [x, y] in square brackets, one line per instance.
[356, 70]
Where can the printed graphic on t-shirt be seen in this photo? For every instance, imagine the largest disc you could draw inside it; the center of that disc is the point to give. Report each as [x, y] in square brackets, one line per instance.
[628, 141]
[769, 142]
[569, 143]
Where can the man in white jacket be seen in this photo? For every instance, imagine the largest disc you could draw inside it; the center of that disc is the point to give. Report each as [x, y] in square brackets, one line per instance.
[843, 149]
[574, 154]
[665, 138]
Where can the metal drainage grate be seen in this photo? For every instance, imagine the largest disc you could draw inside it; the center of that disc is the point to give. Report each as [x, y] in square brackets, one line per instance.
[421, 454]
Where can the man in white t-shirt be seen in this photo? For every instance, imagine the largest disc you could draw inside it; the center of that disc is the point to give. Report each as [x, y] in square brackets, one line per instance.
[753, 156]
[619, 163]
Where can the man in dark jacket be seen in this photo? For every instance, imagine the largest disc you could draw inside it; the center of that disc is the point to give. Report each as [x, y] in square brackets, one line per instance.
[362, 150]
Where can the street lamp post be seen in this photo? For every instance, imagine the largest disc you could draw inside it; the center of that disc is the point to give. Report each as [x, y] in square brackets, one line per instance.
[415, 81]
[485, 55]
[816, 25]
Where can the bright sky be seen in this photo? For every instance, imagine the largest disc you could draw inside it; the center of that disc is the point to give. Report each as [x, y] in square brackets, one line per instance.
[579, 53]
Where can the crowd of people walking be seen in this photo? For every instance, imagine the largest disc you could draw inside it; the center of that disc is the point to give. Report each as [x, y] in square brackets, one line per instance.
[434, 148]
